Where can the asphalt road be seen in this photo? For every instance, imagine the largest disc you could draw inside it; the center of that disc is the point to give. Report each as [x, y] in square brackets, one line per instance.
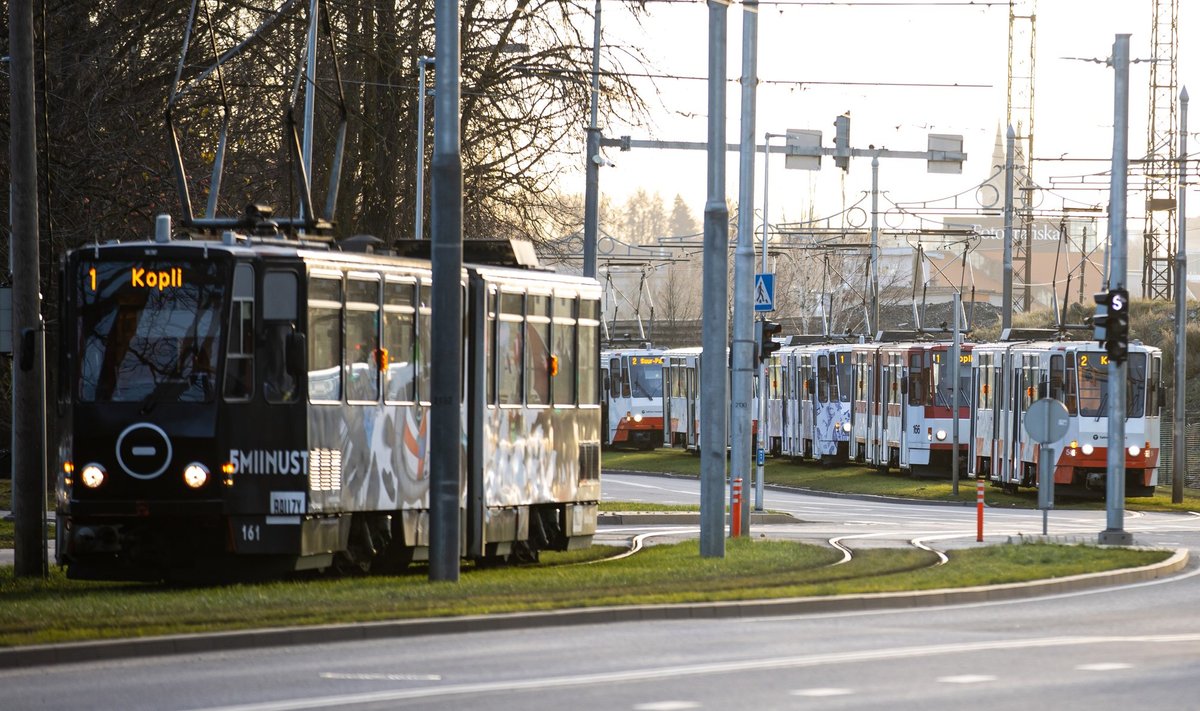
[1129, 646]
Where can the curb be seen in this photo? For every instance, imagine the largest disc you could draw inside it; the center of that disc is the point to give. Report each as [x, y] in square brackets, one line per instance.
[51, 654]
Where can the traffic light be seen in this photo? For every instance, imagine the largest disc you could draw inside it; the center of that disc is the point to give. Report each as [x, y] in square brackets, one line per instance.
[841, 142]
[764, 344]
[1100, 320]
[1117, 325]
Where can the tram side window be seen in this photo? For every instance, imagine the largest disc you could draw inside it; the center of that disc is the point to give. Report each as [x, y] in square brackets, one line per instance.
[279, 324]
[1152, 387]
[916, 380]
[1071, 397]
[823, 378]
[239, 364]
[362, 340]
[1058, 377]
[424, 341]
[489, 345]
[537, 350]
[589, 351]
[1135, 392]
[987, 376]
[1029, 385]
[563, 378]
[510, 350]
[399, 337]
[325, 339]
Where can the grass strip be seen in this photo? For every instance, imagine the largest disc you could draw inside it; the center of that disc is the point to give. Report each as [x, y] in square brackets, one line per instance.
[856, 479]
[60, 610]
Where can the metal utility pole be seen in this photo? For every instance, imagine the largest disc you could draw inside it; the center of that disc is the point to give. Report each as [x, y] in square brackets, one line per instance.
[742, 348]
[956, 397]
[1006, 318]
[713, 371]
[419, 223]
[591, 195]
[874, 326]
[1178, 426]
[447, 344]
[1117, 373]
[28, 429]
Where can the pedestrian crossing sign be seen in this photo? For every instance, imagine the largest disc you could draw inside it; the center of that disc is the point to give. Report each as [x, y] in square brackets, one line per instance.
[764, 292]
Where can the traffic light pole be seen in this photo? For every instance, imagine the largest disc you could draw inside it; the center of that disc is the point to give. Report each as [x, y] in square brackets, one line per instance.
[1115, 534]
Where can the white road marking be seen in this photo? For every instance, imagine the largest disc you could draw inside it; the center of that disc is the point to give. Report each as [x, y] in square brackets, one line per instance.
[966, 679]
[667, 706]
[820, 693]
[1104, 666]
[380, 677]
[705, 669]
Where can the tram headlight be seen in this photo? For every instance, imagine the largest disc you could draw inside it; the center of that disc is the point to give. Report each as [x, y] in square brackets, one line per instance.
[1134, 450]
[92, 475]
[846, 427]
[195, 475]
[1087, 449]
[941, 435]
[637, 417]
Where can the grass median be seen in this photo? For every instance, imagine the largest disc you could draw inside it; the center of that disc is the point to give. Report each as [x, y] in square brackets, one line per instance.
[36, 611]
[856, 479]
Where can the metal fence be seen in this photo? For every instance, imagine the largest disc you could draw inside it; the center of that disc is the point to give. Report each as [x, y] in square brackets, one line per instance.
[1166, 469]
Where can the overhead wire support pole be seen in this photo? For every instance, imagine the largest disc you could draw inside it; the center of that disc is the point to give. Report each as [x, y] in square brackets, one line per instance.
[447, 345]
[713, 371]
[761, 367]
[742, 346]
[310, 94]
[1178, 424]
[1006, 318]
[1115, 534]
[874, 326]
[28, 396]
[591, 196]
[419, 222]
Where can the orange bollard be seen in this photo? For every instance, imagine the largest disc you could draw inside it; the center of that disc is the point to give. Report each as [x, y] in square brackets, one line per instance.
[979, 510]
[735, 509]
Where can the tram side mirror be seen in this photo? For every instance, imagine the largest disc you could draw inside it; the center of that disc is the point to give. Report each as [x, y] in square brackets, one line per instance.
[904, 385]
[811, 385]
[28, 349]
[297, 354]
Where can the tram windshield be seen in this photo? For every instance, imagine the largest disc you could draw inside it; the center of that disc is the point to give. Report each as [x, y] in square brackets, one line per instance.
[943, 383]
[645, 376]
[148, 330]
[1093, 384]
[845, 378]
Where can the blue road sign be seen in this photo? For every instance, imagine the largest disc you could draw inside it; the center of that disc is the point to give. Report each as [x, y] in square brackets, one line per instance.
[764, 292]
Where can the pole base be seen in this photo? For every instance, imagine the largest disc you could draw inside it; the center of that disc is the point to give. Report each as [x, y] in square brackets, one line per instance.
[1116, 537]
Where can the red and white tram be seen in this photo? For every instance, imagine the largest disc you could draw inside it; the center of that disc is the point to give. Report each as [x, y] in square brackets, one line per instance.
[1009, 377]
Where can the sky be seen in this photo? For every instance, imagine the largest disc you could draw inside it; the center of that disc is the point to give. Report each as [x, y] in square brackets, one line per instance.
[951, 57]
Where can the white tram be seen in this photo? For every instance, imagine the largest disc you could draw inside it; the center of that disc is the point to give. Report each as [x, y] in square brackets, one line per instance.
[632, 396]
[1009, 377]
[814, 382]
[904, 405]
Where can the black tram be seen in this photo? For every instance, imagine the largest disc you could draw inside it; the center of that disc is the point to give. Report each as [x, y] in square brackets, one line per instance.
[251, 406]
